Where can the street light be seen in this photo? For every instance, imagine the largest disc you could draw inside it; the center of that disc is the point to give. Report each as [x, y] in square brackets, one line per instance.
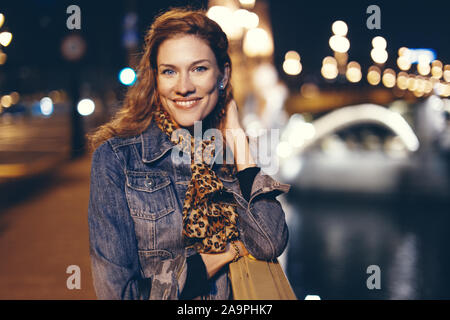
[402, 80]
[339, 43]
[374, 75]
[329, 68]
[247, 3]
[246, 19]
[353, 73]
[291, 64]
[379, 42]
[339, 28]
[3, 57]
[447, 73]
[423, 66]
[388, 78]
[5, 38]
[6, 101]
[86, 107]
[379, 53]
[292, 67]
[226, 20]
[404, 59]
[436, 69]
[46, 106]
[257, 42]
[127, 76]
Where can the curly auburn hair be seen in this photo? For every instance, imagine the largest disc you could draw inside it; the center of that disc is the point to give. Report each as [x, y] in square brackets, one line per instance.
[142, 98]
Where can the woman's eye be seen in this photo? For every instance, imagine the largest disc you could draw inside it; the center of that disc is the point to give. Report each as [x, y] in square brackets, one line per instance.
[168, 72]
[200, 69]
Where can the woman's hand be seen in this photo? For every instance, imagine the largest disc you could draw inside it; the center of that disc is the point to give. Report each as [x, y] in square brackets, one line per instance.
[232, 117]
[242, 250]
[215, 261]
[236, 138]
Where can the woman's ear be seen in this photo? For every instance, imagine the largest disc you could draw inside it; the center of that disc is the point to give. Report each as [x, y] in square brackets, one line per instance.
[225, 77]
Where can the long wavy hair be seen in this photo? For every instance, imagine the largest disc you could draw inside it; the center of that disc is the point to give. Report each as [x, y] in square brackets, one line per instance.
[142, 98]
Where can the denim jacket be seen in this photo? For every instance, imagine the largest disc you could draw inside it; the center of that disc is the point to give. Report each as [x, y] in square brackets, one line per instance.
[135, 219]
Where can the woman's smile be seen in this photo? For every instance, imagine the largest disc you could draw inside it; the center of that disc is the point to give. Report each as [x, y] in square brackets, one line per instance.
[187, 104]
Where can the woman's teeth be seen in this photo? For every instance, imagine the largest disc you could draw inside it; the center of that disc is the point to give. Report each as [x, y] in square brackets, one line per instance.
[187, 103]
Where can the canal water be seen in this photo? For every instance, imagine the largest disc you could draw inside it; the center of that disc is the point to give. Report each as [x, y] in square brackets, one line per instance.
[351, 247]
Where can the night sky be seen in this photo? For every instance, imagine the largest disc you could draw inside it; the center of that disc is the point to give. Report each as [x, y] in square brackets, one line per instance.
[38, 27]
[305, 26]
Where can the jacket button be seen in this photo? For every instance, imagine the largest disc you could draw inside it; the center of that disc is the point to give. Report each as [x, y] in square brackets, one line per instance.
[148, 183]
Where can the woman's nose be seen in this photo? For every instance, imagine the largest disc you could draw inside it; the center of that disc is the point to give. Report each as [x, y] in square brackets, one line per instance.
[184, 85]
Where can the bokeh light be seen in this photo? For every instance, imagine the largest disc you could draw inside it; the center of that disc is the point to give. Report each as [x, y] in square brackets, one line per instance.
[6, 101]
[374, 75]
[388, 78]
[127, 76]
[86, 107]
[292, 54]
[292, 67]
[339, 43]
[5, 38]
[436, 69]
[402, 80]
[329, 68]
[379, 42]
[339, 28]
[225, 18]
[246, 19]
[46, 106]
[379, 55]
[403, 63]
[257, 42]
[353, 72]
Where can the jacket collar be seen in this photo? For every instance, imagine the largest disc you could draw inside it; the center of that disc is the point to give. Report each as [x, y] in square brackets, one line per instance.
[155, 143]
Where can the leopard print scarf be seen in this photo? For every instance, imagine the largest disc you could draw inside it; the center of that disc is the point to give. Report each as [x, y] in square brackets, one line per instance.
[208, 223]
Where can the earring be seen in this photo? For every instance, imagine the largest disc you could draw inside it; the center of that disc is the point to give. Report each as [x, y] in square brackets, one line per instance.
[221, 86]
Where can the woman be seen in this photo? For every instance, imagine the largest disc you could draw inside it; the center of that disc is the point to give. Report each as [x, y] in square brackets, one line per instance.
[166, 229]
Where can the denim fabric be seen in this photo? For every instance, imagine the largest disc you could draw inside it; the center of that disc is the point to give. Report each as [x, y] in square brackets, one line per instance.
[135, 219]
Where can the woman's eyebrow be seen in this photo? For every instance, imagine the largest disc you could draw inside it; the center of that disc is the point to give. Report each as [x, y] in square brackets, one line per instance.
[193, 63]
[200, 61]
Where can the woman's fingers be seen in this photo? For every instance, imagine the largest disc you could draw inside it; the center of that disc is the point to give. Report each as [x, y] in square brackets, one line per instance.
[242, 250]
[232, 116]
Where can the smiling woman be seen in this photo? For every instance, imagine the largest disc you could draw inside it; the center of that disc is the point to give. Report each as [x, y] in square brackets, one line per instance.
[163, 229]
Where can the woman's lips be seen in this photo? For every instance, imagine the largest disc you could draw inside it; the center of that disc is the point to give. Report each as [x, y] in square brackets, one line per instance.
[186, 104]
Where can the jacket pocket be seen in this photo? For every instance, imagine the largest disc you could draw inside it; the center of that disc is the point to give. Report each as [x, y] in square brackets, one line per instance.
[151, 261]
[163, 270]
[149, 194]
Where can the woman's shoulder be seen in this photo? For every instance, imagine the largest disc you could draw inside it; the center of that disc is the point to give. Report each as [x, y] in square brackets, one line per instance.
[112, 146]
[117, 141]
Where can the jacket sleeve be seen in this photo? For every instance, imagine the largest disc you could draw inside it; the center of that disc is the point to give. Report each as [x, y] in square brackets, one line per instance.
[262, 224]
[113, 246]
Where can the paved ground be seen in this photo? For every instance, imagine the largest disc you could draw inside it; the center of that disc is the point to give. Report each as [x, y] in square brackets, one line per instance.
[43, 230]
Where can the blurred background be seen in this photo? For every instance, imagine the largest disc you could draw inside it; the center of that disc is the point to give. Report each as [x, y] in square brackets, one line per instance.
[359, 96]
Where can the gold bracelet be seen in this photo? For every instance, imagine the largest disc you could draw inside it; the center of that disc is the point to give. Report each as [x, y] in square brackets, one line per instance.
[237, 252]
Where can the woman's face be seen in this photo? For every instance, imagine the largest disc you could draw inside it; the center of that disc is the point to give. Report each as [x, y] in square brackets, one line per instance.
[188, 78]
